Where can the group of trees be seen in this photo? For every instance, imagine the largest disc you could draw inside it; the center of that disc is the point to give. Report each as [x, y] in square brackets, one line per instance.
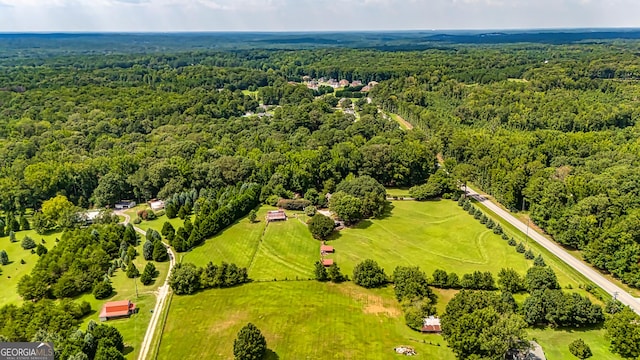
[358, 198]
[214, 212]
[369, 274]
[414, 294]
[186, 278]
[332, 274]
[81, 259]
[59, 322]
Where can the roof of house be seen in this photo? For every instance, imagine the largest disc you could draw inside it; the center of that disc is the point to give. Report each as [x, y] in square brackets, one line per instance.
[327, 262]
[117, 308]
[276, 214]
[326, 248]
[431, 324]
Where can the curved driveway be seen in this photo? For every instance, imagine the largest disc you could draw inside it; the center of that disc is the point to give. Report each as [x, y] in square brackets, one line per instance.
[586, 270]
[161, 295]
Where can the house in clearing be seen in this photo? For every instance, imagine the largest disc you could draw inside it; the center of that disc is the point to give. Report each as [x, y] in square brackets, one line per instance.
[326, 249]
[156, 204]
[117, 309]
[344, 82]
[327, 262]
[276, 215]
[431, 324]
[125, 204]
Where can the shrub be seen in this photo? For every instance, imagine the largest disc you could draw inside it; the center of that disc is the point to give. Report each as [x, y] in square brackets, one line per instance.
[529, 255]
[579, 349]
[272, 200]
[310, 210]
[520, 248]
[512, 242]
[297, 204]
[321, 226]
[250, 344]
[28, 243]
[102, 290]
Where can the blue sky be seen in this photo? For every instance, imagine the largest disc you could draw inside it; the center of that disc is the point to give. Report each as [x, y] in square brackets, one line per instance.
[311, 15]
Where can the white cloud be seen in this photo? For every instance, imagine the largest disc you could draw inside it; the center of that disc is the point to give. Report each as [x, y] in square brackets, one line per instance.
[201, 15]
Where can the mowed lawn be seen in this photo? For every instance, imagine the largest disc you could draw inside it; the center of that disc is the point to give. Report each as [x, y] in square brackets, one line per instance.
[14, 271]
[556, 342]
[432, 235]
[300, 320]
[236, 244]
[287, 251]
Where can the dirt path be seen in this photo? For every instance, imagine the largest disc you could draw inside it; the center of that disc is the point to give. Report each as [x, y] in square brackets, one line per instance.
[161, 295]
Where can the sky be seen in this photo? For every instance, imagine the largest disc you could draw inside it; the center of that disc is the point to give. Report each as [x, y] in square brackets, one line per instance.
[311, 15]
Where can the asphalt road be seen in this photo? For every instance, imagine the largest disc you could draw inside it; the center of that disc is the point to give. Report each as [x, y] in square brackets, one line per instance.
[586, 270]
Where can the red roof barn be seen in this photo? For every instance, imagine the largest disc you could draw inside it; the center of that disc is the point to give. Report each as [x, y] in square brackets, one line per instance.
[327, 262]
[326, 249]
[117, 309]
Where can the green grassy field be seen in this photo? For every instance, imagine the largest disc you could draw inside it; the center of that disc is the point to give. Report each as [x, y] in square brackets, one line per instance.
[235, 244]
[300, 320]
[432, 235]
[567, 276]
[12, 272]
[556, 342]
[287, 251]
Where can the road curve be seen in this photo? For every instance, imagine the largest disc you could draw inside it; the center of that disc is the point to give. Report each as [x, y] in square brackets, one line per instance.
[591, 274]
[161, 295]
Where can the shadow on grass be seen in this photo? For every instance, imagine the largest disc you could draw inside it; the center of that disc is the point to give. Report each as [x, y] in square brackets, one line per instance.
[127, 350]
[271, 355]
[364, 224]
[571, 330]
[388, 209]
[335, 235]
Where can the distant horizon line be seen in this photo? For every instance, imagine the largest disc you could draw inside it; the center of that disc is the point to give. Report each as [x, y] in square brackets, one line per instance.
[154, 32]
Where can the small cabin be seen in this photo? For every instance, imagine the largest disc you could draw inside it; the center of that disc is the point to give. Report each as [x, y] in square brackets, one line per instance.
[326, 249]
[327, 262]
[156, 204]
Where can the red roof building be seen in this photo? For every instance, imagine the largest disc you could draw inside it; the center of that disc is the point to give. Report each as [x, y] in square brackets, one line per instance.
[327, 262]
[326, 249]
[431, 325]
[276, 215]
[117, 309]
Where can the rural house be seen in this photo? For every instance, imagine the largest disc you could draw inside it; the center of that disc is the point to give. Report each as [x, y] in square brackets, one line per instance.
[156, 204]
[276, 215]
[327, 262]
[117, 309]
[125, 204]
[431, 325]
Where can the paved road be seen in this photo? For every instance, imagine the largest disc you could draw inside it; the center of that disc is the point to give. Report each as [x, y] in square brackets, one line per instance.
[161, 296]
[558, 251]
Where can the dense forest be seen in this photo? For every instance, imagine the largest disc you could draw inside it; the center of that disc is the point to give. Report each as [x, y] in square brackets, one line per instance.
[548, 128]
